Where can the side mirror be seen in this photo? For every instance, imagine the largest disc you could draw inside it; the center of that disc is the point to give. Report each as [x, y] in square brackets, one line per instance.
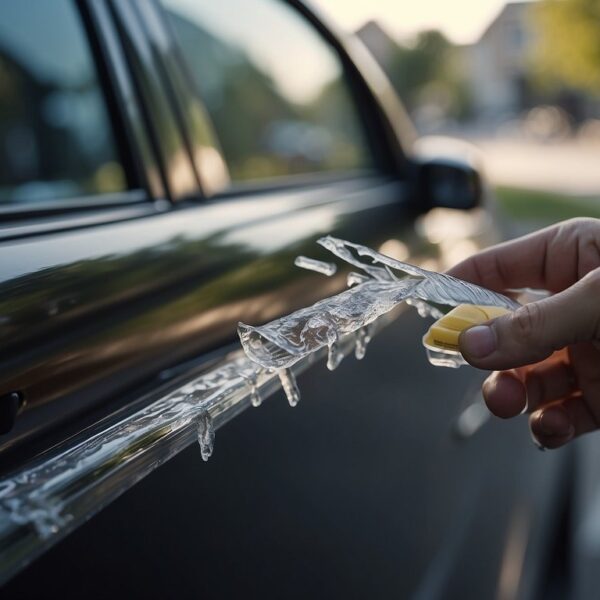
[448, 174]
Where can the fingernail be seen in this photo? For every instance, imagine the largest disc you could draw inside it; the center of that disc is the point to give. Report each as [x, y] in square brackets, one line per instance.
[479, 341]
[556, 423]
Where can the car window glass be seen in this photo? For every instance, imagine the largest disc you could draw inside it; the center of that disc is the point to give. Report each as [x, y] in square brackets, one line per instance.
[275, 90]
[55, 136]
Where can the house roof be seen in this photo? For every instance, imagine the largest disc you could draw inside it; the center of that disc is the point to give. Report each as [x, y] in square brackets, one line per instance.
[516, 9]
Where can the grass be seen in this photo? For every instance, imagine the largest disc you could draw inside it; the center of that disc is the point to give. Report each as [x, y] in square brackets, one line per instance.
[544, 207]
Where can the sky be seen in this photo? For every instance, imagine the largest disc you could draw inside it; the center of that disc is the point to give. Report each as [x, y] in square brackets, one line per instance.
[462, 21]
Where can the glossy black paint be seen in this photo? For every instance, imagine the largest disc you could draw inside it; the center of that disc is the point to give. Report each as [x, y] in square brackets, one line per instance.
[93, 313]
[94, 305]
[88, 314]
[10, 404]
[360, 492]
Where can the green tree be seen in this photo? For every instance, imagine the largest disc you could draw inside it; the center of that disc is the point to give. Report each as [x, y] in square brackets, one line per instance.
[429, 66]
[412, 68]
[568, 49]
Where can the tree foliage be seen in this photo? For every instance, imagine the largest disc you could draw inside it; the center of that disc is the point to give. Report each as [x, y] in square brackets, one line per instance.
[428, 68]
[414, 67]
[568, 52]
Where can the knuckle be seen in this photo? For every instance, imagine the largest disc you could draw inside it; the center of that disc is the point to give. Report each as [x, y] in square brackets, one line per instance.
[578, 221]
[592, 282]
[581, 225]
[591, 287]
[527, 322]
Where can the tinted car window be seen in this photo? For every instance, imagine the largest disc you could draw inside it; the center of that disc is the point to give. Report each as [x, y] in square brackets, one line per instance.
[55, 136]
[275, 90]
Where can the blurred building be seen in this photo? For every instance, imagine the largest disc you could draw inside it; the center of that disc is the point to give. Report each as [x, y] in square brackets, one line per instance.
[499, 68]
[498, 64]
[487, 87]
[495, 68]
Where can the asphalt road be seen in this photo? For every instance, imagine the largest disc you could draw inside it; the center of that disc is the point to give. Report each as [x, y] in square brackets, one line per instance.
[362, 491]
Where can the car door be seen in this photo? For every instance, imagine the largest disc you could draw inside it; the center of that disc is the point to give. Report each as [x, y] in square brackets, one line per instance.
[235, 168]
[77, 271]
[121, 270]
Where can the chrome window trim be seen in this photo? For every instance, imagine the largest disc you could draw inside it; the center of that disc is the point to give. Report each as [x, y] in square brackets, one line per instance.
[80, 203]
[51, 496]
[89, 218]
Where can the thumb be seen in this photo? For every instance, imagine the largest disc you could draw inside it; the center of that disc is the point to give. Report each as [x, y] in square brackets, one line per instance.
[536, 330]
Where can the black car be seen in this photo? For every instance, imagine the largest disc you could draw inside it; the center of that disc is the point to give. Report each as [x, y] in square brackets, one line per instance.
[162, 163]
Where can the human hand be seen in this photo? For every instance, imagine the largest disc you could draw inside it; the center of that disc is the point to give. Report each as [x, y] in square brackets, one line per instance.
[546, 355]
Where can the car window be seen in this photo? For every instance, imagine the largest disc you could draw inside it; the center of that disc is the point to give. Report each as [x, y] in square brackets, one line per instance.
[275, 90]
[56, 139]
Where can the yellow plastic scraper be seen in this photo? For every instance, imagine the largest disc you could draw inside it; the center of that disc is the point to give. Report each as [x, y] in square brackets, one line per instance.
[441, 340]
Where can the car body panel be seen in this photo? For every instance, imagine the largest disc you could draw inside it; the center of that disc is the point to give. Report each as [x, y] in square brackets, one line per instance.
[96, 314]
[90, 313]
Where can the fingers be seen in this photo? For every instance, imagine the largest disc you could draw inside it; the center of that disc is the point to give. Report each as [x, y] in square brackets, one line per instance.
[563, 393]
[585, 359]
[513, 264]
[553, 258]
[552, 425]
[548, 382]
[505, 394]
[558, 423]
[536, 330]
[562, 397]
[510, 393]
